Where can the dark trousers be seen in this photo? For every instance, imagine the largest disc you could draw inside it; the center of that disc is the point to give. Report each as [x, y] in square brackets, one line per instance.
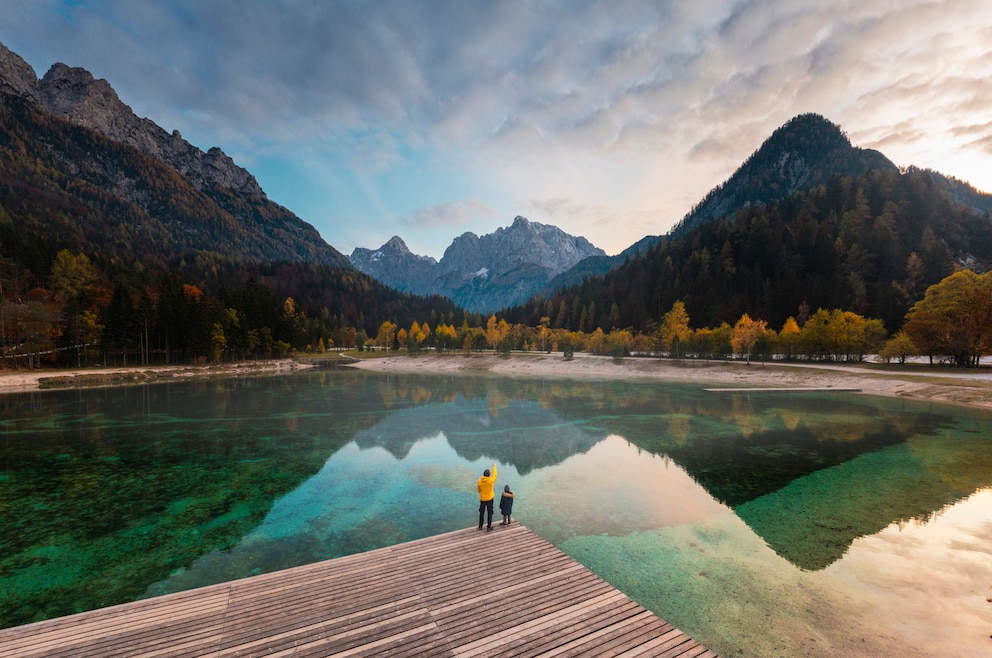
[486, 506]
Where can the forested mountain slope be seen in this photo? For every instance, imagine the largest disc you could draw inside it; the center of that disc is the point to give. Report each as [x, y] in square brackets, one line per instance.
[96, 174]
[870, 244]
[805, 152]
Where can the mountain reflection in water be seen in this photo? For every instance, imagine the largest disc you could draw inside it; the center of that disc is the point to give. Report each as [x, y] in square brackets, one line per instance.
[808, 472]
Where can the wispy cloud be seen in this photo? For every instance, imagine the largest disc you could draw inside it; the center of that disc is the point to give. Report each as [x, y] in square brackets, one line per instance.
[629, 109]
[452, 214]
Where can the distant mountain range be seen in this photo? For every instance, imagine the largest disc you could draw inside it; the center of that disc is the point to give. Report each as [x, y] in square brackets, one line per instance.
[806, 152]
[481, 274]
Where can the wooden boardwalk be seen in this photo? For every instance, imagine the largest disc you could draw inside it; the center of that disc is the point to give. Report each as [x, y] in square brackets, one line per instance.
[465, 593]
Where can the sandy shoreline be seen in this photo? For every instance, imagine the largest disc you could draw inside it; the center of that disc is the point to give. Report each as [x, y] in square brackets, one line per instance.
[920, 382]
[972, 388]
[33, 380]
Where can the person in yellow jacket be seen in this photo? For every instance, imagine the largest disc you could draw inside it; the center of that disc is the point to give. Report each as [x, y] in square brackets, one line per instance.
[486, 487]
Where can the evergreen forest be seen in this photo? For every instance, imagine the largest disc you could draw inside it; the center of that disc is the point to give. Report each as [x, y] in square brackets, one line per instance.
[871, 245]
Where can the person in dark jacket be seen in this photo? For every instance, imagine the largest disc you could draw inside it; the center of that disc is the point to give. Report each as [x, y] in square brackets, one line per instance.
[506, 505]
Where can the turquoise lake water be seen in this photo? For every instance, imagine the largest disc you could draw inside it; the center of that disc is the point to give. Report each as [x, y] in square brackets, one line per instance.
[762, 524]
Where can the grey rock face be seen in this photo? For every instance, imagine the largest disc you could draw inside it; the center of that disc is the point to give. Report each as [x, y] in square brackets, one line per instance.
[268, 231]
[16, 76]
[481, 274]
[74, 94]
[396, 266]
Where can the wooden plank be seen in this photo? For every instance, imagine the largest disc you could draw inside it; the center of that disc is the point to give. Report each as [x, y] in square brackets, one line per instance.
[606, 635]
[670, 645]
[429, 597]
[533, 625]
[577, 634]
[98, 629]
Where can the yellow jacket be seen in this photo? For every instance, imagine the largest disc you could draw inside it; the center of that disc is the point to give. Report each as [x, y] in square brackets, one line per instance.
[486, 486]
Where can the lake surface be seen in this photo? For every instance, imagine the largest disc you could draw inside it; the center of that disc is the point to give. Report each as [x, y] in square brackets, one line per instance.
[762, 524]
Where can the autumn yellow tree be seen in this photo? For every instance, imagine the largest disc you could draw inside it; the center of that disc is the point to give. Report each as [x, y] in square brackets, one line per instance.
[788, 338]
[899, 347]
[543, 335]
[445, 337]
[492, 332]
[618, 343]
[745, 334]
[415, 338]
[387, 332]
[815, 337]
[853, 335]
[674, 330]
[596, 341]
[496, 333]
[954, 318]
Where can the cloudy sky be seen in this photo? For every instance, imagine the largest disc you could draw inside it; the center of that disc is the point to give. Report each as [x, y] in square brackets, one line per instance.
[608, 119]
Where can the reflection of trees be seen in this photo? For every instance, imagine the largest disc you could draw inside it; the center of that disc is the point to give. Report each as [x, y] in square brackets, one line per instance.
[801, 470]
[813, 520]
[759, 448]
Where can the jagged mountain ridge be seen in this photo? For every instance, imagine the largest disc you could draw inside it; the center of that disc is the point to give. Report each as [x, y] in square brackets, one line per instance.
[209, 204]
[74, 94]
[395, 265]
[481, 273]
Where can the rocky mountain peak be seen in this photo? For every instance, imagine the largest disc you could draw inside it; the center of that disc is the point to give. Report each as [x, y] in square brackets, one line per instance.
[231, 197]
[394, 249]
[17, 77]
[804, 152]
[527, 241]
[74, 94]
[484, 273]
[396, 244]
[395, 265]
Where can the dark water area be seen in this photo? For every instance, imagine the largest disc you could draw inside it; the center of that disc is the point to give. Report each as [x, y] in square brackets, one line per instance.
[760, 523]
